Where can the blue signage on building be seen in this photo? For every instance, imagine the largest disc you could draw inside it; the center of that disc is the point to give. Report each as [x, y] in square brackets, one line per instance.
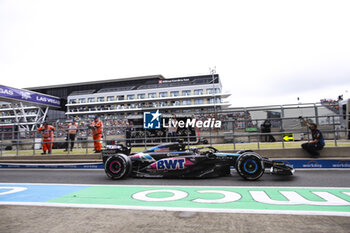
[151, 120]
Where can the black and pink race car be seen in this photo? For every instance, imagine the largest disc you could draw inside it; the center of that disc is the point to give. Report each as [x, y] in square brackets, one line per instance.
[174, 160]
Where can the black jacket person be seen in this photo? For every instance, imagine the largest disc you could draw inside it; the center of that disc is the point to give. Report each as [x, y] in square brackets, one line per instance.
[317, 142]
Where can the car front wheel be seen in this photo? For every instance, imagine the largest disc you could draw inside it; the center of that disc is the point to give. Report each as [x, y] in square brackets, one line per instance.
[250, 166]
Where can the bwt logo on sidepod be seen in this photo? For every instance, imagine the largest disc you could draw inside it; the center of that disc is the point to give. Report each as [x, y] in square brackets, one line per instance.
[171, 164]
[151, 120]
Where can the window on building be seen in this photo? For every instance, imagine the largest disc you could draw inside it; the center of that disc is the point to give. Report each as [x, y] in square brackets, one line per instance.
[216, 100]
[198, 92]
[176, 103]
[152, 95]
[120, 97]
[100, 99]
[141, 96]
[187, 110]
[82, 100]
[213, 90]
[91, 100]
[186, 92]
[174, 93]
[186, 102]
[163, 94]
[72, 101]
[163, 103]
[110, 98]
[130, 97]
[198, 101]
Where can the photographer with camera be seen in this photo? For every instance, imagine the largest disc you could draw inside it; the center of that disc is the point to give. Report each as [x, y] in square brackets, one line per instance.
[317, 142]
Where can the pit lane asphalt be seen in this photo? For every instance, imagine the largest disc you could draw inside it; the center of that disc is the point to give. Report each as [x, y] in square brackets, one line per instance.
[302, 178]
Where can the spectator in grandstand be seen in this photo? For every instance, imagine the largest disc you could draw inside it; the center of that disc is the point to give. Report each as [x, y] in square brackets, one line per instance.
[266, 128]
[96, 127]
[47, 135]
[317, 142]
[172, 129]
[72, 129]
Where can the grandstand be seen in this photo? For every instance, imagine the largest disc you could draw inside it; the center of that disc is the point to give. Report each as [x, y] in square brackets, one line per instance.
[129, 97]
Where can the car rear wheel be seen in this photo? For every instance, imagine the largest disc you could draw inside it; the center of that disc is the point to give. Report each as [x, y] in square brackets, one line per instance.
[118, 166]
[250, 166]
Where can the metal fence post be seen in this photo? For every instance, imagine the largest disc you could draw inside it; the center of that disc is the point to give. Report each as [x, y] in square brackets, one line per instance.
[2, 139]
[145, 137]
[308, 132]
[68, 141]
[86, 143]
[17, 141]
[334, 133]
[233, 135]
[316, 114]
[104, 139]
[211, 144]
[188, 139]
[33, 135]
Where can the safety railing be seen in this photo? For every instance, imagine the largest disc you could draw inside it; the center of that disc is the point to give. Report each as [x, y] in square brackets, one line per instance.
[18, 142]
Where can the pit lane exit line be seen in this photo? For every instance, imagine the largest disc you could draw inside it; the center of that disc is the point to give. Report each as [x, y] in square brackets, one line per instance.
[264, 200]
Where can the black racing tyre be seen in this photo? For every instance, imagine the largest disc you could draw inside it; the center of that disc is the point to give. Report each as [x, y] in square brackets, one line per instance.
[250, 166]
[118, 166]
[243, 151]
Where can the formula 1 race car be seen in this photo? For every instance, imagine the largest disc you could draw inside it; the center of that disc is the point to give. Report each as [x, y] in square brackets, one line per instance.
[174, 160]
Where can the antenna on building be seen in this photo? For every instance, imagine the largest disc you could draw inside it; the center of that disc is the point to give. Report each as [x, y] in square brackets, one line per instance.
[212, 70]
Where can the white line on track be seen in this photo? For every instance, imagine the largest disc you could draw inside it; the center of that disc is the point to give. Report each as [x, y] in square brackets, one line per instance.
[235, 211]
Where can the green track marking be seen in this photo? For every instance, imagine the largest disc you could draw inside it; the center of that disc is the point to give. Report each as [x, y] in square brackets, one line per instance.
[226, 199]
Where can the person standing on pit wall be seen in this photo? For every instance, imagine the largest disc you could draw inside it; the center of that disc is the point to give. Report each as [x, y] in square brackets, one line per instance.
[266, 128]
[72, 129]
[97, 129]
[47, 136]
[317, 142]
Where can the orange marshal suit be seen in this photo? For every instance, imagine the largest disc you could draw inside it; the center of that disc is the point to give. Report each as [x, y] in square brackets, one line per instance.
[97, 129]
[47, 135]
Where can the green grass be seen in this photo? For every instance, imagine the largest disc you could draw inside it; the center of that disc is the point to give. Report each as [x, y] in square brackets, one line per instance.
[238, 146]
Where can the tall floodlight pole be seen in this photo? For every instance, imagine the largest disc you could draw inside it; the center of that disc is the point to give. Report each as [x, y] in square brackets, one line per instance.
[213, 72]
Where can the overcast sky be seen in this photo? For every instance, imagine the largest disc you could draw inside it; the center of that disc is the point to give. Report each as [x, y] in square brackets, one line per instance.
[266, 52]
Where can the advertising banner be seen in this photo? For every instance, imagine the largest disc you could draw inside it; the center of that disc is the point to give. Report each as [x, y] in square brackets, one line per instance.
[29, 96]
